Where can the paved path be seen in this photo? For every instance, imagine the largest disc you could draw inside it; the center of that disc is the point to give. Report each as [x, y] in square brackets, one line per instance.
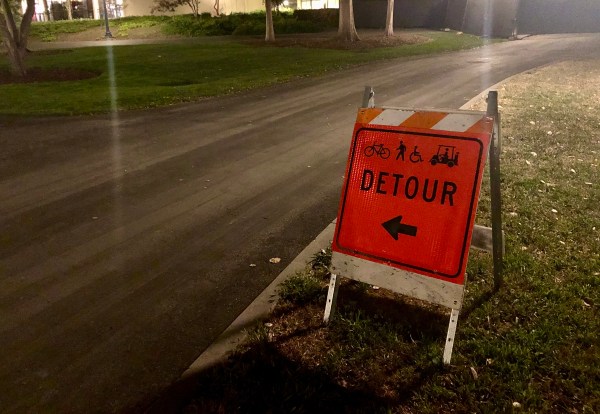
[127, 238]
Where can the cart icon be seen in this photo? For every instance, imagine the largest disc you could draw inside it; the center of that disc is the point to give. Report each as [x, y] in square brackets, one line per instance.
[446, 154]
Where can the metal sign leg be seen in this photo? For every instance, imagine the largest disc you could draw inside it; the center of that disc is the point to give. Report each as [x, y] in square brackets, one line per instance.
[450, 336]
[334, 284]
[495, 192]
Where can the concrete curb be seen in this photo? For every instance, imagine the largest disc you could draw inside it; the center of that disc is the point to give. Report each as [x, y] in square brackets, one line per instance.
[484, 93]
[258, 310]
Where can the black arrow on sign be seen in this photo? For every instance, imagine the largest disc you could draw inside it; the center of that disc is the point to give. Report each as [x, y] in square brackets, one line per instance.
[394, 227]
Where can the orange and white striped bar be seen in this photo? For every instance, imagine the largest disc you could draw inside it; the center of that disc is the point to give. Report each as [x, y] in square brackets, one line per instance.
[459, 121]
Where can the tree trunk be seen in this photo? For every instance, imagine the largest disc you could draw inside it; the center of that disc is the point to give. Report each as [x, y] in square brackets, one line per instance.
[69, 6]
[195, 6]
[48, 12]
[346, 28]
[16, 60]
[15, 39]
[389, 21]
[270, 32]
[217, 8]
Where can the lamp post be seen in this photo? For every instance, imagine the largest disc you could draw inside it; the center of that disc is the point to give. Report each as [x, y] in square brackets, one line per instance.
[108, 34]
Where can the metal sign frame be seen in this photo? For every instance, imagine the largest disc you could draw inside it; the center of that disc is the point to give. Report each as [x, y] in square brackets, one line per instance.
[414, 285]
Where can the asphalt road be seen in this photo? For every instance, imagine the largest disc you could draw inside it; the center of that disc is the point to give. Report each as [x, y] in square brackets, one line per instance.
[126, 240]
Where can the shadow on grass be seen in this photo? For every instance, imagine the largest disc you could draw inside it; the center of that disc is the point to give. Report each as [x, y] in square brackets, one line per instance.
[376, 354]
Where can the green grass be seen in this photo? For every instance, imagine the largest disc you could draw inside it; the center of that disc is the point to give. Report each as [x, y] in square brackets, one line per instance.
[239, 24]
[533, 346]
[182, 25]
[300, 289]
[157, 75]
[49, 31]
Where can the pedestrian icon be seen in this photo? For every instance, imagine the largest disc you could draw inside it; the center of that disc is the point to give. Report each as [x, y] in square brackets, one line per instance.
[401, 151]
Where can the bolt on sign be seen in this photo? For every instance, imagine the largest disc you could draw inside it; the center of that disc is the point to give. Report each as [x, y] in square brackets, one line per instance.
[409, 200]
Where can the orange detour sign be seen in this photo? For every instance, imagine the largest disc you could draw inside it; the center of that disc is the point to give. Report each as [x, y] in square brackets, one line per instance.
[409, 199]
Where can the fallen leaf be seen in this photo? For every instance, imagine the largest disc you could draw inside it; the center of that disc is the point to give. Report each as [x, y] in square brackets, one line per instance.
[554, 210]
[274, 260]
[474, 373]
[533, 153]
[252, 265]
[517, 404]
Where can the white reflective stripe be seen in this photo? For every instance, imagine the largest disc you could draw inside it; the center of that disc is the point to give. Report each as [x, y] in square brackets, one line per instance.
[457, 122]
[391, 117]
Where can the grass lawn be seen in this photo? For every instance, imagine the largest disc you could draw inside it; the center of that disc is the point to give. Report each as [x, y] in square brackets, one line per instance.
[50, 31]
[532, 346]
[156, 75]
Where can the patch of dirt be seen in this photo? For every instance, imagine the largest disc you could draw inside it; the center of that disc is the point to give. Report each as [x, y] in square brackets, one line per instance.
[329, 40]
[95, 33]
[153, 32]
[47, 75]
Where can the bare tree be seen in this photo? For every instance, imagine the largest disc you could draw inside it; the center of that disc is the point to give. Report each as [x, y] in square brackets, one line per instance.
[389, 19]
[171, 5]
[15, 34]
[270, 31]
[346, 28]
[217, 8]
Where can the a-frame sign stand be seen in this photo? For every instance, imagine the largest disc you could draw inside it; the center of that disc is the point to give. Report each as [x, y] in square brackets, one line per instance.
[406, 223]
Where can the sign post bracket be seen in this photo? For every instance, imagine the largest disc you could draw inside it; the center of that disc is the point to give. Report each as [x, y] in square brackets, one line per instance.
[368, 97]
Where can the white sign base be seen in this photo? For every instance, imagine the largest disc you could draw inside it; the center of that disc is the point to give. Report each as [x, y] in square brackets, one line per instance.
[397, 280]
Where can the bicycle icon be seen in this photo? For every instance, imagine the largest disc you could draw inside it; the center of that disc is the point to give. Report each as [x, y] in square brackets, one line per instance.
[378, 149]
[415, 156]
